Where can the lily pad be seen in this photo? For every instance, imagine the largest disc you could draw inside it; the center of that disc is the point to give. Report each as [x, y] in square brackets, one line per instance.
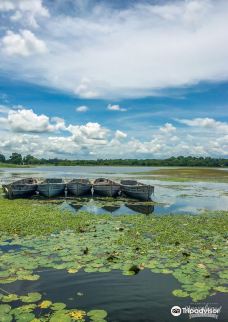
[97, 314]
[25, 317]
[4, 308]
[10, 298]
[58, 306]
[31, 297]
[180, 293]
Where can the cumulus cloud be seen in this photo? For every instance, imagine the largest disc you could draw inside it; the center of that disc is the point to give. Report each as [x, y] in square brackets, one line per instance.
[96, 141]
[207, 123]
[24, 11]
[24, 43]
[132, 52]
[82, 109]
[120, 135]
[25, 120]
[90, 133]
[168, 128]
[111, 107]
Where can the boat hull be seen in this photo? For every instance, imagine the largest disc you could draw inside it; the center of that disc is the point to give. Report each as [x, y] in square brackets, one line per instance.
[106, 190]
[138, 192]
[19, 190]
[51, 189]
[79, 189]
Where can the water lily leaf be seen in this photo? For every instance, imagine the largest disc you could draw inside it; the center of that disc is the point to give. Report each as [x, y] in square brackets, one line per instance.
[6, 317]
[4, 308]
[31, 277]
[31, 297]
[60, 316]
[10, 298]
[72, 270]
[23, 309]
[45, 304]
[180, 293]
[97, 314]
[58, 306]
[25, 317]
[222, 289]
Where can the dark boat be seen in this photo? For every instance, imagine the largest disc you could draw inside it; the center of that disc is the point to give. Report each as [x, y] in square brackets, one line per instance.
[20, 188]
[135, 189]
[79, 187]
[51, 187]
[106, 187]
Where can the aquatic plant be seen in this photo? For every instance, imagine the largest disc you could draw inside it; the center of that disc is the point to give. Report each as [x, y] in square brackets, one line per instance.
[45, 311]
[33, 236]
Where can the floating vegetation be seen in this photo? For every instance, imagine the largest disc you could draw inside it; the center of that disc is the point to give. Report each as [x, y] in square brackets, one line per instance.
[185, 174]
[38, 237]
[45, 311]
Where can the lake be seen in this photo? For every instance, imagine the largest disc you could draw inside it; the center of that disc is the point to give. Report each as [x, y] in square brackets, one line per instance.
[170, 197]
[144, 297]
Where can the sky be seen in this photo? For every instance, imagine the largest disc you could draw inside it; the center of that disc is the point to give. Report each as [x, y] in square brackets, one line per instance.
[86, 79]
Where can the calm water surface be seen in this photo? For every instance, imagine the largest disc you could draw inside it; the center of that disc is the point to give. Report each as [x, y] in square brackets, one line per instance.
[171, 197]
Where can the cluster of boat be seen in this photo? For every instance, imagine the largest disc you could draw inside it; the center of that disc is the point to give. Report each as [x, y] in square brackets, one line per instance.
[78, 187]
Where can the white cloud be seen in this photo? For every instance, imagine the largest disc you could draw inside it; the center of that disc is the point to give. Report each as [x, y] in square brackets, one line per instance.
[116, 108]
[25, 120]
[25, 132]
[120, 135]
[82, 109]
[168, 128]
[24, 11]
[130, 52]
[89, 134]
[207, 123]
[24, 43]
[85, 89]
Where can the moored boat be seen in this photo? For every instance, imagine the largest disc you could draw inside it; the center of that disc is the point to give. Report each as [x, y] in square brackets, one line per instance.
[135, 189]
[106, 187]
[79, 187]
[51, 187]
[20, 188]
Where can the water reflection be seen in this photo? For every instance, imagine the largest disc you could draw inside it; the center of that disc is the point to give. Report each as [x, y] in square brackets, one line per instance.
[119, 209]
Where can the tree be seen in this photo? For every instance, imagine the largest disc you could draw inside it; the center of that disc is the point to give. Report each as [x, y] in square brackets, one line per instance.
[2, 158]
[15, 158]
[29, 159]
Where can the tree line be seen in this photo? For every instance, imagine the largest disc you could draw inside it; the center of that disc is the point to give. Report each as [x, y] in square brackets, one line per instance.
[189, 161]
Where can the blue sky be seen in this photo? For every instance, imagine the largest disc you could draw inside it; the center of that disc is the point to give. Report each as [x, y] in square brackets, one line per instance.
[92, 79]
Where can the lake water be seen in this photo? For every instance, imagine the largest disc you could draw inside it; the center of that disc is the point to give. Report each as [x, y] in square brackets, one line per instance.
[171, 197]
[145, 297]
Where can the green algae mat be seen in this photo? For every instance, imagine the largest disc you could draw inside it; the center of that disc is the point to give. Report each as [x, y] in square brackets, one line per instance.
[35, 237]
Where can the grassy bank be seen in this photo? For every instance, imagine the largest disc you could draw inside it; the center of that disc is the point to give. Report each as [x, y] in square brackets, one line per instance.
[187, 174]
[9, 165]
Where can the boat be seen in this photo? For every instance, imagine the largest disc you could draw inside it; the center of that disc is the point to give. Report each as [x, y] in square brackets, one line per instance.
[79, 187]
[51, 187]
[106, 187]
[20, 188]
[137, 190]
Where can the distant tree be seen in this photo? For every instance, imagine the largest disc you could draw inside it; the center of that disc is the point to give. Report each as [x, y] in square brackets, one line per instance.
[15, 158]
[29, 159]
[2, 158]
